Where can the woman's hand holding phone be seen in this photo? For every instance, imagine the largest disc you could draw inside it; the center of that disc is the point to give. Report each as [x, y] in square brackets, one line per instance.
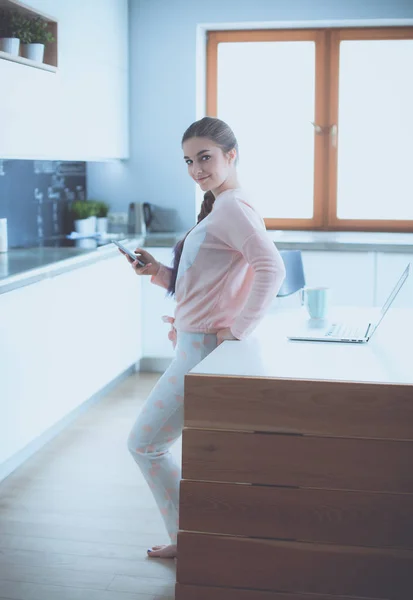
[151, 265]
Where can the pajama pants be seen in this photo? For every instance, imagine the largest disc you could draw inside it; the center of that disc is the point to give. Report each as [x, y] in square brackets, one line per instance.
[160, 424]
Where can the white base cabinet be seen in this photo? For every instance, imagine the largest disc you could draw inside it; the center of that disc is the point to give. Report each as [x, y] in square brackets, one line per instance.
[349, 275]
[26, 363]
[155, 304]
[62, 340]
[355, 278]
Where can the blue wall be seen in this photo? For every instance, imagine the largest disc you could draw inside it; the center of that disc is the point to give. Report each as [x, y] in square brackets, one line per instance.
[163, 86]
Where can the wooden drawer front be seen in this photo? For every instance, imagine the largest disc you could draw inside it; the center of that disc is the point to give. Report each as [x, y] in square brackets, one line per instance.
[298, 406]
[289, 460]
[195, 592]
[341, 517]
[212, 560]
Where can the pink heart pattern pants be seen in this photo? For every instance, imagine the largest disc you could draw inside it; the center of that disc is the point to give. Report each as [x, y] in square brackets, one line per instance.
[160, 424]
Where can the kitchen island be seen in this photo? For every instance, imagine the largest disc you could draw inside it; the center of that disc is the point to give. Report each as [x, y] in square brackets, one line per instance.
[297, 471]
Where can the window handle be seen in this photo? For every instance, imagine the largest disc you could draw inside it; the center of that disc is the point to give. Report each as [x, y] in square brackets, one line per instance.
[333, 134]
[319, 129]
[323, 129]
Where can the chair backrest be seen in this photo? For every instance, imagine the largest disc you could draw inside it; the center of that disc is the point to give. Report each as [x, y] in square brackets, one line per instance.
[294, 278]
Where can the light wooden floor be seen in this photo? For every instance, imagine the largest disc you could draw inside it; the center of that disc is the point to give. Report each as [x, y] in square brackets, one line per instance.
[76, 519]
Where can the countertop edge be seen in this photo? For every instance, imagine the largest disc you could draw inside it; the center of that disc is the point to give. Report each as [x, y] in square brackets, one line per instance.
[344, 246]
[64, 265]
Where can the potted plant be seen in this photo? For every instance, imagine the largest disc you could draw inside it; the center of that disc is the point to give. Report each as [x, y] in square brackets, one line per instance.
[10, 24]
[84, 217]
[34, 35]
[102, 210]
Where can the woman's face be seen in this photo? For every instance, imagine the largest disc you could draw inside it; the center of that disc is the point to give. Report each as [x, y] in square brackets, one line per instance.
[207, 163]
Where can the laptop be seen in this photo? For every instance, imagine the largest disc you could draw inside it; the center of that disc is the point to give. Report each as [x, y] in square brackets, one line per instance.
[355, 333]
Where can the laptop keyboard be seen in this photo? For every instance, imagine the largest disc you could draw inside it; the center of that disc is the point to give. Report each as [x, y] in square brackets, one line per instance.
[346, 331]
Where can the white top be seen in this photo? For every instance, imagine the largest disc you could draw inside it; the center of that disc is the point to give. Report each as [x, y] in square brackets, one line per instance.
[386, 358]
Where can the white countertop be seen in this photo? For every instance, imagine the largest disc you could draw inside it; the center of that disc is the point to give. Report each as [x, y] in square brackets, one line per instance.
[386, 358]
[23, 266]
[350, 241]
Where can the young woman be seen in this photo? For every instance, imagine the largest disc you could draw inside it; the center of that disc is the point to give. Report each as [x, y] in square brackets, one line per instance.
[226, 271]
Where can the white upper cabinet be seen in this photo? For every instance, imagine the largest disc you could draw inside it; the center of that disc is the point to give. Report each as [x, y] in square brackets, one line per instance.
[80, 112]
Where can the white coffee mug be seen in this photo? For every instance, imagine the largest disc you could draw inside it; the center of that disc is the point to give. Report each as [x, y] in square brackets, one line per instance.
[316, 300]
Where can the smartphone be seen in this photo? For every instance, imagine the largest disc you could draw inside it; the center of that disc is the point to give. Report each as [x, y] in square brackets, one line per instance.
[129, 253]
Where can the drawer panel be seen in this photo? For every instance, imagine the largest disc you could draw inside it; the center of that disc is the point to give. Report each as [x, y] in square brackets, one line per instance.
[300, 461]
[339, 408]
[195, 592]
[333, 516]
[213, 560]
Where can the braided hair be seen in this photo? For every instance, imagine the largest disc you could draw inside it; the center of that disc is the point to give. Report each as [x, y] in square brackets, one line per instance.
[222, 135]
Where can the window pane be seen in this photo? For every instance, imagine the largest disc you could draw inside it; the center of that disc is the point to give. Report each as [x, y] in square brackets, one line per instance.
[266, 93]
[375, 152]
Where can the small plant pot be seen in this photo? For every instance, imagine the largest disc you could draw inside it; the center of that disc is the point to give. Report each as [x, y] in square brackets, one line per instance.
[10, 45]
[33, 52]
[85, 226]
[102, 224]
[93, 220]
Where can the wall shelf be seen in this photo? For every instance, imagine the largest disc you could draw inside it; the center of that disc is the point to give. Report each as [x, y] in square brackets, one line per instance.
[50, 52]
[27, 62]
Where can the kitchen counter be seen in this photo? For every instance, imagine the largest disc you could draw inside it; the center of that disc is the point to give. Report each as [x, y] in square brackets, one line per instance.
[347, 241]
[23, 266]
[20, 267]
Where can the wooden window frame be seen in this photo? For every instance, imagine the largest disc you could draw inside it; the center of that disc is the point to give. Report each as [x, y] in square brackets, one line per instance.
[327, 58]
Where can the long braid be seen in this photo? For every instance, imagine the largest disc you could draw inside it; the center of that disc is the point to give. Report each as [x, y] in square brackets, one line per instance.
[222, 135]
[206, 207]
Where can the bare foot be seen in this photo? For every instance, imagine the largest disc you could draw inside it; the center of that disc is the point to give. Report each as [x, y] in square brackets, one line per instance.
[163, 551]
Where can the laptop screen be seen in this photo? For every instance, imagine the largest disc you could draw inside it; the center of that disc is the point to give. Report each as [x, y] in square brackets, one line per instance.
[392, 295]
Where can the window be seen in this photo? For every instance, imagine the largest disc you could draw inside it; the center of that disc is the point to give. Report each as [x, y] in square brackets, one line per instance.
[324, 122]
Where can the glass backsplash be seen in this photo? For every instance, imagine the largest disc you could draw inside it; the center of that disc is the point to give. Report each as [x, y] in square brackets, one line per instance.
[35, 197]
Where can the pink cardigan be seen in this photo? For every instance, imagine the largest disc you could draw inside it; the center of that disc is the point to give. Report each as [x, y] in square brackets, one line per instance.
[229, 270]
